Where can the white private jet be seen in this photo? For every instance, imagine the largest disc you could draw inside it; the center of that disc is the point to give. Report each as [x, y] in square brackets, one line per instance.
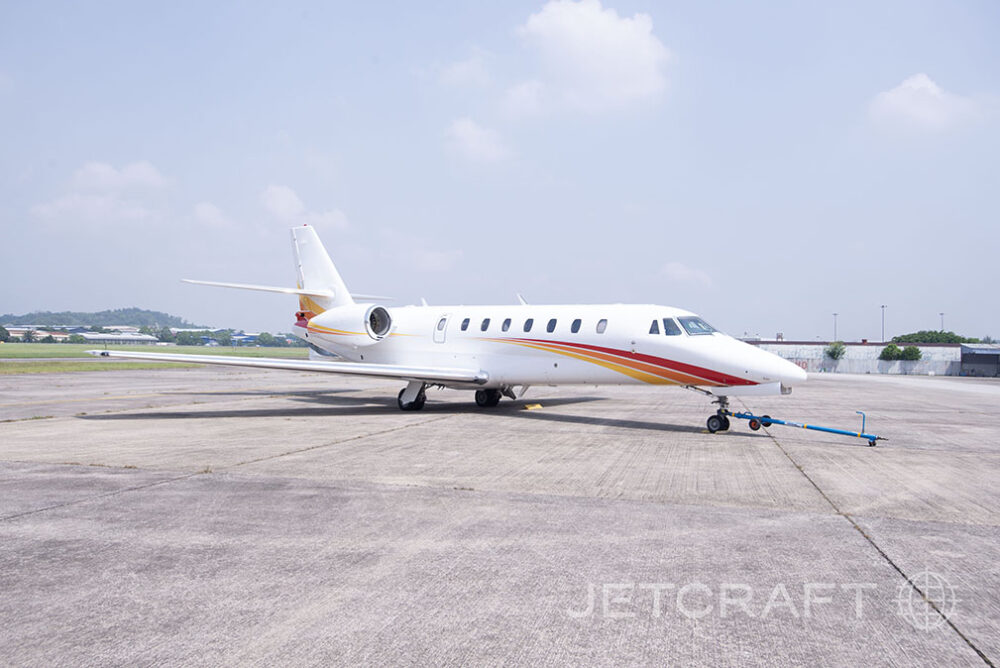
[495, 349]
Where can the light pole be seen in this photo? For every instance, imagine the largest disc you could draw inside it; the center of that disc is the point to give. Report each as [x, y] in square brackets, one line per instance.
[942, 321]
[834, 326]
[883, 323]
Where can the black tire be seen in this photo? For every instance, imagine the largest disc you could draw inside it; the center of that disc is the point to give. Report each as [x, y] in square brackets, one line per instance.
[487, 398]
[765, 420]
[725, 423]
[399, 401]
[414, 405]
[714, 423]
[754, 424]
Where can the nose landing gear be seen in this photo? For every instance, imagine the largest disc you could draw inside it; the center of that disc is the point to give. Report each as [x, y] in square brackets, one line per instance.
[717, 422]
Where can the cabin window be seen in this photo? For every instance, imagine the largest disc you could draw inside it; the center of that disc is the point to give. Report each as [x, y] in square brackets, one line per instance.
[695, 326]
[551, 327]
[485, 325]
[506, 325]
[528, 323]
[670, 327]
[441, 324]
[465, 324]
[654, 327]
[575, 327]
[602, 325]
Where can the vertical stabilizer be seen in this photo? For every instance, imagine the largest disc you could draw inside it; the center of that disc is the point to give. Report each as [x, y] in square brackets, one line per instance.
[315, 271]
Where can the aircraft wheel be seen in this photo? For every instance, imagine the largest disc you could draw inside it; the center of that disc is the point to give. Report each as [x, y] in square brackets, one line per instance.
[414, 405]
[755, 424]
[487, 398]
[725, 423]
[714, 423]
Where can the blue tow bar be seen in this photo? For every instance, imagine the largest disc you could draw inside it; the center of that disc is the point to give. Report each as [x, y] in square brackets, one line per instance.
[758, 421]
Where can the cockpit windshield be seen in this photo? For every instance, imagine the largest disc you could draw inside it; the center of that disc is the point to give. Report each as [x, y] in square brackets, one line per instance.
[695, 326]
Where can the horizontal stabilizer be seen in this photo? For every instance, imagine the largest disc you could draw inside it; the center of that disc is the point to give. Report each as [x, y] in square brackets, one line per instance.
[263, 288]
[371, 298]
[286, 291]
[404, 372]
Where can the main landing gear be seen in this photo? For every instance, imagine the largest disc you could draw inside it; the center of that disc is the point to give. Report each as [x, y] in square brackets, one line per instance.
[488, 398]
[412, 397]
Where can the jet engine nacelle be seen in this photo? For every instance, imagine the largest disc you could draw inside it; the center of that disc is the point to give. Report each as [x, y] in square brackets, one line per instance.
[356, 324]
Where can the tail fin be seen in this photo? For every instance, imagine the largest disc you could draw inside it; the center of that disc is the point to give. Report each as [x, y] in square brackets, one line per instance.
[316, 272]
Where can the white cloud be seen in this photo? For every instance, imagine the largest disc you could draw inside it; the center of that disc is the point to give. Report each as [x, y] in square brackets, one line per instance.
[332, 219]
[102, 194]
[102, 176]
[525, 98]
[920, 102]
[92, 208]
[468, 72]
[210, 215]
[284, 204]
[408, 251]
[473, 141]
[431, 261]
[590, 59]
[682, 273]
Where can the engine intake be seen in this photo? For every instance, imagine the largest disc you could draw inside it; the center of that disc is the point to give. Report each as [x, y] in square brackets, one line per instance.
[378, 322]
[354, 325]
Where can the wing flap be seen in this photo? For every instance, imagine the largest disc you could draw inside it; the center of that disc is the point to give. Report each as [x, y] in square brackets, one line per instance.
[404, 372]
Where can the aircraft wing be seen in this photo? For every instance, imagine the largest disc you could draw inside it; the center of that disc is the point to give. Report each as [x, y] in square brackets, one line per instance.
[403, 372]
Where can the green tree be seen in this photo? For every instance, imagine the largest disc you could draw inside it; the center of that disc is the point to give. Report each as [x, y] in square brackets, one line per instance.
[265, 339]
[930, 336]
[911, 353]
[165, 335]
[48, 339]
[890, 352]
[190, 338]
[28, 336]
[836, 350]
[4, 335]
[224, 338]
[76, 338]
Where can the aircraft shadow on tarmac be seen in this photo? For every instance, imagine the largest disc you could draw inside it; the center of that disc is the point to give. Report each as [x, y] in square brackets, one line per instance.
[329, 403]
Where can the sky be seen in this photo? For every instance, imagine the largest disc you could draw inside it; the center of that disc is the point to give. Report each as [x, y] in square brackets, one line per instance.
[765, 165]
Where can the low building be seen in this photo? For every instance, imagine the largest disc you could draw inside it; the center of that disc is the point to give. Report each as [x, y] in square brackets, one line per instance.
[981, 359]
[119, 339]
[939, 359]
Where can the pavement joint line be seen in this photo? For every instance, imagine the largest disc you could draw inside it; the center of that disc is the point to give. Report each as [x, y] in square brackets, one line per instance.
[117, 492]
[878, 548]
[337, 442]
[143, 395]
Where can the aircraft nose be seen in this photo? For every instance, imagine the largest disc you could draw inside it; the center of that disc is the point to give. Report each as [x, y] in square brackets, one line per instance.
[791, 374]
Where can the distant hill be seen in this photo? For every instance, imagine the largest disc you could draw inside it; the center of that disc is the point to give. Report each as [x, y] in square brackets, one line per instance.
[134, 317]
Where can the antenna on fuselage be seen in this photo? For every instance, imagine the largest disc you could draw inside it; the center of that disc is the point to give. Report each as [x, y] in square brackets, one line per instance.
[520, 300]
